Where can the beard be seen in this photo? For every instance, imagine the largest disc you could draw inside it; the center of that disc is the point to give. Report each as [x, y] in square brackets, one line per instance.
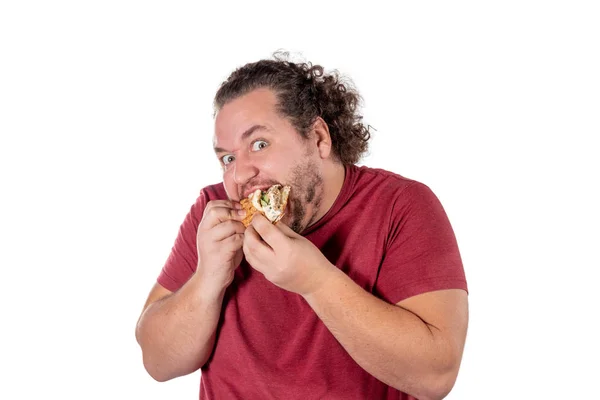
[307, 189]
[307, 186]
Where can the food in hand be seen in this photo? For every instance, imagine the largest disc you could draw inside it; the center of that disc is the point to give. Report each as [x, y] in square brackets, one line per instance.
[270, 203]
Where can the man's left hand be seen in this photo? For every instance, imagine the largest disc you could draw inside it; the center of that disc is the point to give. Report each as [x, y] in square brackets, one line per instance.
[285, 258]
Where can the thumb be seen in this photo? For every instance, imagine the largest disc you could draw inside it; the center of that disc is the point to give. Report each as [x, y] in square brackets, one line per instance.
[286, 230]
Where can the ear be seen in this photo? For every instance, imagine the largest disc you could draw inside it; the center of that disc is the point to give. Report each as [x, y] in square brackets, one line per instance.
[322, 137]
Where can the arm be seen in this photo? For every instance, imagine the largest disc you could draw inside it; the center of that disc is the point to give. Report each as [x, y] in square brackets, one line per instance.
[415, 346]
[176, 331]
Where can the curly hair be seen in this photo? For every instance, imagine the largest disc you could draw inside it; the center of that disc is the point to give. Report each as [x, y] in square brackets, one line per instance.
[304, 93]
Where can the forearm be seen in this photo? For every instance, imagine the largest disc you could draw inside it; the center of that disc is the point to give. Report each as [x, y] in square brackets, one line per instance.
[391, 343]
[177, 333]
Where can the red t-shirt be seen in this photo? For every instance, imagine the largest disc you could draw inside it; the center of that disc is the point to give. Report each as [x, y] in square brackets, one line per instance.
[390, 234]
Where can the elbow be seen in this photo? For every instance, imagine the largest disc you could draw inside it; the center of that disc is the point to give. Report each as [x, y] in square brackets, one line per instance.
[435, 386]
[163, 368]
[440, 385]
[437, 391]
[444, 375]
[156, 372]
[441, 388]
[151, 365]
[157, 376]
[439, 381]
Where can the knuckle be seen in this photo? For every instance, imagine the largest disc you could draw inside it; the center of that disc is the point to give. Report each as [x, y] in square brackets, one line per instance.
[211, 205]
[230, 226]
[236, 243]
[252, 246]
[231, 239]
[213, 211]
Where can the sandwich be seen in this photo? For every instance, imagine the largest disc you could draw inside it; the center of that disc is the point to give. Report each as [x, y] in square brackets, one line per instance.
[270, 203]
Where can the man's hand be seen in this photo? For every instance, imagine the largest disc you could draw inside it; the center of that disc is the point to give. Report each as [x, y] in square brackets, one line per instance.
[285, 258]
[219, 241]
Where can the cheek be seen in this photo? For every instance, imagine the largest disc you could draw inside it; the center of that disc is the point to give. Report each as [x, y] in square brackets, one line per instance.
[269, 169]
[277, 166]
[266, 165]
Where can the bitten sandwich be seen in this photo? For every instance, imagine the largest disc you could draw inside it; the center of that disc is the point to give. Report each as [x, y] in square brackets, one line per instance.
[270, 203]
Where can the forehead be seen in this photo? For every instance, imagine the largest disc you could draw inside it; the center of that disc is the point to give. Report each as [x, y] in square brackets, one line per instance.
[255, 108]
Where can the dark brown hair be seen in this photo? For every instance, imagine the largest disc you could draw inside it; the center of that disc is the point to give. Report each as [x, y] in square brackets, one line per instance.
[305, 92]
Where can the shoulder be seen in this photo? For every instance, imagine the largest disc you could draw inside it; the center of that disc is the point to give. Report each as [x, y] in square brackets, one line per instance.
[383, 185]
[395, 196]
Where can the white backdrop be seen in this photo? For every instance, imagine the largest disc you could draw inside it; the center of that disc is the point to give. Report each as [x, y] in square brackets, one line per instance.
[106, 125]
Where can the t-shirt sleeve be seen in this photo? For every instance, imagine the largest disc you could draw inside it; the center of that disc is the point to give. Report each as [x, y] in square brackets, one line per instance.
[183, 259]
[421, 252]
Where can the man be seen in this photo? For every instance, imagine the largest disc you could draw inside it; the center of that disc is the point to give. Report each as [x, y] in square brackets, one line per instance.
[358, 293]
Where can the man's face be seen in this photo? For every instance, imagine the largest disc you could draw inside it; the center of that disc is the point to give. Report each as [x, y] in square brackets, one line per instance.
[258, 148]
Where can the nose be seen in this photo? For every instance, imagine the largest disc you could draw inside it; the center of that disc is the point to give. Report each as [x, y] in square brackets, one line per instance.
[244, 170]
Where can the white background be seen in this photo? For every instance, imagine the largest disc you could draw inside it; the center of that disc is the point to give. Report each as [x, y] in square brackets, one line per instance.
[106, 125]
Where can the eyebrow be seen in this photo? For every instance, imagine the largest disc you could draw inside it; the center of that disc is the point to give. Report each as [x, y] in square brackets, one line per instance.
[249, 132]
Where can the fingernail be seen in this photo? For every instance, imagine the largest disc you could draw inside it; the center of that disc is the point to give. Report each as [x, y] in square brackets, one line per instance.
[242, 213]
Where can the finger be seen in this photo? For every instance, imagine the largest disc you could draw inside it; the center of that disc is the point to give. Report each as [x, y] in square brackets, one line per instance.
[267, 231]
[286, 230]
[255, 240]
[217, 214]
[233, 243]
[226, 229]
[224, 203]
[254, 247]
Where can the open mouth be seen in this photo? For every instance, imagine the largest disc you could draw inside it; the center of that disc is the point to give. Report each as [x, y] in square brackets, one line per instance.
[271, 203]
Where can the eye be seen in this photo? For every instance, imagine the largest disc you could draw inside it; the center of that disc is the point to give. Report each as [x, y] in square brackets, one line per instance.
[259, 145]
[227, 159]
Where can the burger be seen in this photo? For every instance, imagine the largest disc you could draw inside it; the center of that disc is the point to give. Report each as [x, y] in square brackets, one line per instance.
[270, 203]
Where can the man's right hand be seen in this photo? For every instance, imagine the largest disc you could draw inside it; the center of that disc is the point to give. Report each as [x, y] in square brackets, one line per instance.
[219, 240]
[177, 335]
